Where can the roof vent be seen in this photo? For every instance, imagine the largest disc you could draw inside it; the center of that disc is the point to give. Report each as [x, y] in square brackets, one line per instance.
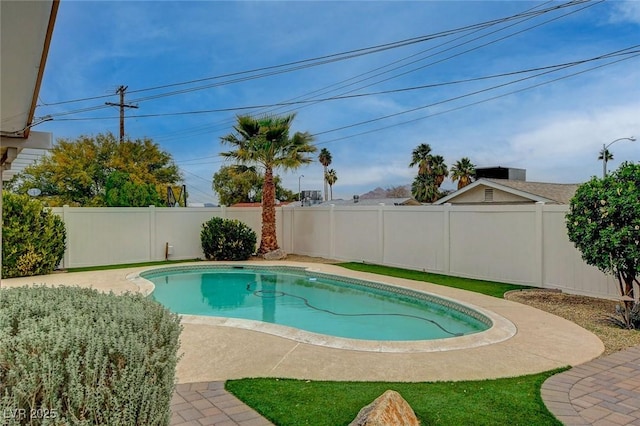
[488, 194]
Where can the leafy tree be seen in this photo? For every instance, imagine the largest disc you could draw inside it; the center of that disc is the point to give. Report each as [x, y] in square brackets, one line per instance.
[330, 178]
[75, 172]
[236, 184]
[266, 142]
[463, 171]
[122, 191]
[325, 159]
[604, 224]
[242, 184]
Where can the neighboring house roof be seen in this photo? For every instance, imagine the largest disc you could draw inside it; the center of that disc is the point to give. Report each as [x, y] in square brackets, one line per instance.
[550, 193]
[405, 201]
[259, 204]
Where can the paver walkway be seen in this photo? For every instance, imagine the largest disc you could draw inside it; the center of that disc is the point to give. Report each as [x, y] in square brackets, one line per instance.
[207, 403]
[605, 391]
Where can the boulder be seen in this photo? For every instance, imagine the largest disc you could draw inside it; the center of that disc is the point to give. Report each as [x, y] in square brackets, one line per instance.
[277, 254]
[389, 409]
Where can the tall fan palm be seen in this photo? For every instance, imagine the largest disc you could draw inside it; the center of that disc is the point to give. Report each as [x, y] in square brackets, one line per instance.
[266, 142]
[325, 160]
[605, 153]
[424, 188]
[331, 177]
[439, 169]
[463, 171]
[421, 157]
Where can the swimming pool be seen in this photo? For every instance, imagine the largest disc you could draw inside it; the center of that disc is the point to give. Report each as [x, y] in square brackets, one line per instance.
[314, 302]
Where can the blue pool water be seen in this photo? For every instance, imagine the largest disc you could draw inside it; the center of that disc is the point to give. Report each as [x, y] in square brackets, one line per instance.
[313, 302]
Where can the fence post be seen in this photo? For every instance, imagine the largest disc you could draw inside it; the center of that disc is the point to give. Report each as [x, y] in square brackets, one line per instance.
[446, 238]
[381, 234]
[66, 260]
[539, 245]
[152, 232]
[223, 211]
[332, 233]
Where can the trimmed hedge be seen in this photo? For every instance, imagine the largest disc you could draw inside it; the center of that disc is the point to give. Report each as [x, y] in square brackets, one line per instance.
[227, 239]
[33, 238]
[76, 356]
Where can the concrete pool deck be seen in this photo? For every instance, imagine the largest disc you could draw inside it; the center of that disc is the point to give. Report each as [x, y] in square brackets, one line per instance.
[541, 342]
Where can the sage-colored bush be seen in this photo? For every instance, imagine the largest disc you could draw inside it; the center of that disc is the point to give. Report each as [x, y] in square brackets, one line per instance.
[227, 239]
[76, 356]
[33, 238]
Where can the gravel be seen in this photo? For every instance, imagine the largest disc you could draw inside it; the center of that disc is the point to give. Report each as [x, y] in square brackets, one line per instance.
[588, 312]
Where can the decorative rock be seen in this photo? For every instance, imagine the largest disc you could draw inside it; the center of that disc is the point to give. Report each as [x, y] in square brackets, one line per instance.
[277, 254]
[389, 409]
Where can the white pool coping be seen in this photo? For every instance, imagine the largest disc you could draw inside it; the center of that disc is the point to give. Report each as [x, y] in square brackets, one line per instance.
[501, 329]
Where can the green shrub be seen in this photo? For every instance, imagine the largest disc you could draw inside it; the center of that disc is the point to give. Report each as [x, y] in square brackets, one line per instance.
[82, 357]
[227, 239]
[33, 238]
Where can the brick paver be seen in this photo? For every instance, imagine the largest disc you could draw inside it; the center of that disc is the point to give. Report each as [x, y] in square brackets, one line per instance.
[207, 403]
[605, 391]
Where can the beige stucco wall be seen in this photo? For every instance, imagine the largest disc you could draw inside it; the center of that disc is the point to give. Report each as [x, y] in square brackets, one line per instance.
[476, 195]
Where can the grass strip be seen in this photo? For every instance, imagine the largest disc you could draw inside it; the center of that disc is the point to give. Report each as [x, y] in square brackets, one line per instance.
[512, 401]
[490, 288]
[129, 265]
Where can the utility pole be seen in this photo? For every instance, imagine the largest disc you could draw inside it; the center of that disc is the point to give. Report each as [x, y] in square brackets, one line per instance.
[122, 106]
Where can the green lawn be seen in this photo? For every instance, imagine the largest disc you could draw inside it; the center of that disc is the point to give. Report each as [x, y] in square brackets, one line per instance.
[511, 401]
[490, 288]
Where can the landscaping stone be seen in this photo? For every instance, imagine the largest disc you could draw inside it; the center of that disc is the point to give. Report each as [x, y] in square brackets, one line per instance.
[389, 409]
[277, 254]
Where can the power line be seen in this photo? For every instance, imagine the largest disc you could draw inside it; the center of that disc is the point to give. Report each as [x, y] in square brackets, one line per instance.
[556, 67]
[321, 60]
[121, 90]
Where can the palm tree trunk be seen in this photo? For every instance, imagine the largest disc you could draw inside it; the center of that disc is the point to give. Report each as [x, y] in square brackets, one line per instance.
[268, 241]
[331, 189]
[324, 178]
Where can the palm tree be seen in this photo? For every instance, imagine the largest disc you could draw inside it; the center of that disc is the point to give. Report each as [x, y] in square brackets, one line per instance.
[607, 153]
[421, 157]
[331, 177]
[439, 169]
[266, 142]
[325, 160]
[463, 171]
[424, 188]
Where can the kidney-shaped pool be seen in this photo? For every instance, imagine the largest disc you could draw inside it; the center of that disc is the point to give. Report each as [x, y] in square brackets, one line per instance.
[312, 301]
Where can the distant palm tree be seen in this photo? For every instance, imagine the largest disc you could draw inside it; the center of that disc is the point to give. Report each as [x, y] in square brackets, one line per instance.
[424, 188]
[421, 157]
[439, 169]
[331, 177]
[463, 171]
[325, 160]
[607, 153]
[265, 141]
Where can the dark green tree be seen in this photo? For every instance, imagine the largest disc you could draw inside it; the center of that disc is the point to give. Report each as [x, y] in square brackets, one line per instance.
[242, 184]
[122, 191]
[603, 222]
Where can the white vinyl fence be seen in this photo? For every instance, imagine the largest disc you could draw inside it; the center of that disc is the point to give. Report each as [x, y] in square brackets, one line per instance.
[523, 244]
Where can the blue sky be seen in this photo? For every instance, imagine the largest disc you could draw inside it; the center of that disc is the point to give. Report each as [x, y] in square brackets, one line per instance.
[553, 129]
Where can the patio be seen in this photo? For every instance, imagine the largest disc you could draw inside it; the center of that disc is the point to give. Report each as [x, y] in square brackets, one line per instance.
[217, 352]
